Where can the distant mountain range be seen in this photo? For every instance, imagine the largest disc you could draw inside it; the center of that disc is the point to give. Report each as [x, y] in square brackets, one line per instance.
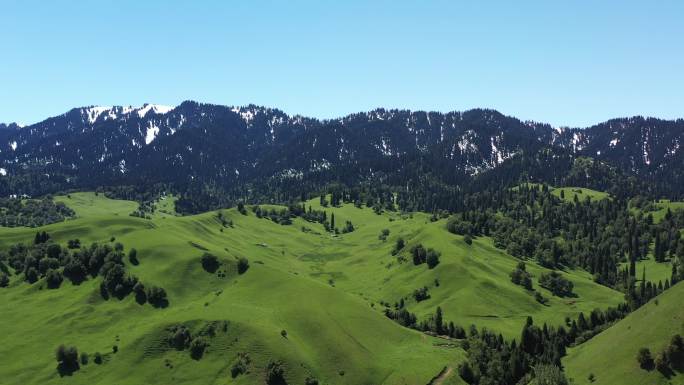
[231, 146]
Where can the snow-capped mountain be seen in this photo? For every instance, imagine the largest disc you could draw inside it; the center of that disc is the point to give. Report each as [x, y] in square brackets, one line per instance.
[94, 145]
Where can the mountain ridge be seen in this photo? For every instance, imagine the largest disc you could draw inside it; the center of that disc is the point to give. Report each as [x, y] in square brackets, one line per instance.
[224, 145]
[376, 110]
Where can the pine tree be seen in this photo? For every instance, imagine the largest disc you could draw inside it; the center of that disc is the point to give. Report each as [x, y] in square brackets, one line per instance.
[642, 286]
[439, 327]
[659, 248]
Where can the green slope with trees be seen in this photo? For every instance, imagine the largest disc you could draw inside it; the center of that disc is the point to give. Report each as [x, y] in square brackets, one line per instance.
[611, 357]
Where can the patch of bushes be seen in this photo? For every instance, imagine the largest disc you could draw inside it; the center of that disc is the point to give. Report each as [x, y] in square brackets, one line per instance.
[156, 296]
[645, 359]
[133, 257]
[180, 337]
[16, 212]
[521, 277]
[421, 294]
[53, 278]
[398, 246]
[67, 360]
[432, 258]
[74, 244]
[197, 347]
[666, 361]
[4, 279]
[210, 262]
[49, 260]
[540, 298]
[420, 255]
[275, 373]
[241, 365]
[242, 265]
[557, 284]
[284, 216]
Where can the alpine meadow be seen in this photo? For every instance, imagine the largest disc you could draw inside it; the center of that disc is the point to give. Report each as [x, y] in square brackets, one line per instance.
[217, 243]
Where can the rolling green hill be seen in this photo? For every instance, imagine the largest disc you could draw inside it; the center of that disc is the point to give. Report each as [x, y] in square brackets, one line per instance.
[323, 290]
[611, 356]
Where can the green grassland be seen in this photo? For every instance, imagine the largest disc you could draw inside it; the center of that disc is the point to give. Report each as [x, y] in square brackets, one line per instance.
[324, 290]
[581, 192]
[569, 192]
[655, 271]
[662, 206]
[611, 356]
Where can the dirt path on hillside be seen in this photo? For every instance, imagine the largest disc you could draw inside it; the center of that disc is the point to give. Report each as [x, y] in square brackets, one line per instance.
[442, 377]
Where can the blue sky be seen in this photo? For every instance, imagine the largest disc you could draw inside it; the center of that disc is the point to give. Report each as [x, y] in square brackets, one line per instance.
[569, 63]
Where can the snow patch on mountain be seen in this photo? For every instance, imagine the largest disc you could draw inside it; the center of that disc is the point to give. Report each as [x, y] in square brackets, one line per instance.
[151, 133]
[384, 147]
[465, 144]
[496, 153]
[577, 139]
[3, 172]
[156, 108]
[245, 113]
[290, 173]
[646, 157]
[323, 164]
[94, 112]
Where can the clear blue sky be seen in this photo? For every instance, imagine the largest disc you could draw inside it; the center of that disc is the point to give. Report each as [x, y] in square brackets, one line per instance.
[565, 62]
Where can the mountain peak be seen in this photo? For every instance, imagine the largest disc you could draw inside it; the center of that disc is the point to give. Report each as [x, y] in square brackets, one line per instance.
[92, 113]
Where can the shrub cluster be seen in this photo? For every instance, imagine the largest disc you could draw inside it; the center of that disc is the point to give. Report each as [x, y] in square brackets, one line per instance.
[47, 259]
[16, 212]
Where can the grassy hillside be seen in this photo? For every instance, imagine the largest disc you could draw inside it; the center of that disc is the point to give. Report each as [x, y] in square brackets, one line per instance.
[611, 356]
[581, 192]
[569, 192]
[324, 290]
[663, 205]
[655, 271]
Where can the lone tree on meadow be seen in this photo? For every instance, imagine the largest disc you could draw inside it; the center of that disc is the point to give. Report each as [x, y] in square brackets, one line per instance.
[645, 359]
[210, 262]
[67, 359]
[156, 296]
[243, 265]
[275, 374]
[432, 258]
[133, 256]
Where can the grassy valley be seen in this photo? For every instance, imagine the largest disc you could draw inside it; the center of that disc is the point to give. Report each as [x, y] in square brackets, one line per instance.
[310, 299]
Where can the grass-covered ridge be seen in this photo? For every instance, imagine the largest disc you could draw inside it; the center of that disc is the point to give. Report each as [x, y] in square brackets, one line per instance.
[611, 356]
[323, 290]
